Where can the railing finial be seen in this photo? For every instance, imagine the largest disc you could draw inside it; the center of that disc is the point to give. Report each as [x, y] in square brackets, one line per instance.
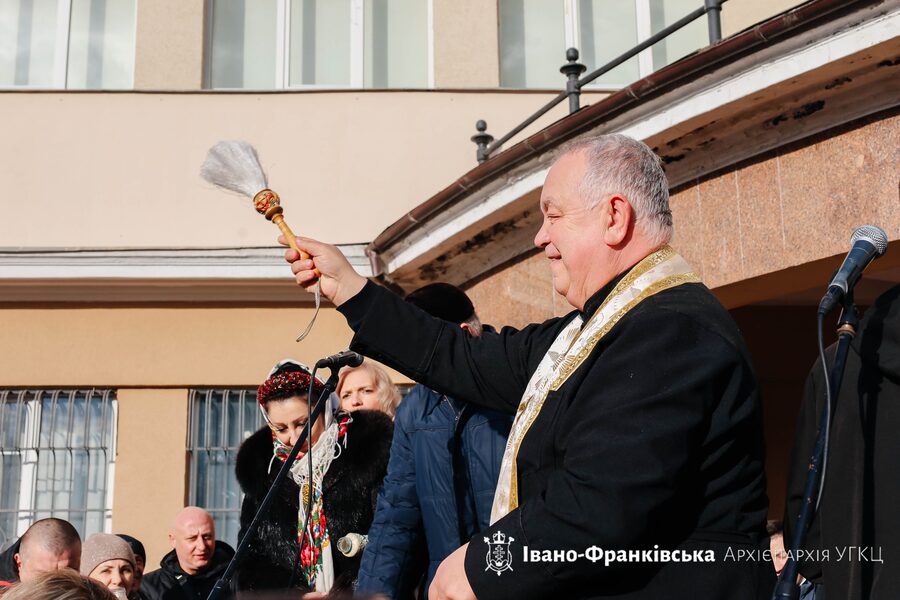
[482, 139]
[572, 70]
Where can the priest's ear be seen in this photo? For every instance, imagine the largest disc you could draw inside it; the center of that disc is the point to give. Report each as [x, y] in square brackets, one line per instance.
[619, 219]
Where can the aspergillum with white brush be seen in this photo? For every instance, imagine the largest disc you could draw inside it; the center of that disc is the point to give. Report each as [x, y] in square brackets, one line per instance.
[233, 165]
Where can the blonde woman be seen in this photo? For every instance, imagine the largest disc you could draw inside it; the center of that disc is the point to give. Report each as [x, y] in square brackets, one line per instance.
[367, 387]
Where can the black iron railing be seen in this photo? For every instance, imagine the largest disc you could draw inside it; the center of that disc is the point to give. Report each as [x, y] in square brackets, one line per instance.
[486, 143]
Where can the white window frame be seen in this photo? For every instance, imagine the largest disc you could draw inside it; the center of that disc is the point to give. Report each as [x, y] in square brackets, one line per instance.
[60, 70]
[357, 48]
[572, 20]
[29, 450]
[28, 473]
[198, 442]
[61, 51]
[644, 31]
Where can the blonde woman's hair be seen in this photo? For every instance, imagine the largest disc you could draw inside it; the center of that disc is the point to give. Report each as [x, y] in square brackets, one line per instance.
[64, 584]
[388, 394]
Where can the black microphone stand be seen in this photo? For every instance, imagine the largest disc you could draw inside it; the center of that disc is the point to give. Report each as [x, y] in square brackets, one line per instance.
[223, 582]
[787, 587]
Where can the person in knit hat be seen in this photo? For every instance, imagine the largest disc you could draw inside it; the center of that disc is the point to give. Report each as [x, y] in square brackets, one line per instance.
[140, 562]
[108, 559]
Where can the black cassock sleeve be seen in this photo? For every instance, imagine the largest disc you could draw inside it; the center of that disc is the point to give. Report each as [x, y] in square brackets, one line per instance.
[491, 371]
[627, 440]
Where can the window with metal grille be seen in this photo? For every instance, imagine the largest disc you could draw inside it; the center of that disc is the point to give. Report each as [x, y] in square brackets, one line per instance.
[58, 459]
[220, 421]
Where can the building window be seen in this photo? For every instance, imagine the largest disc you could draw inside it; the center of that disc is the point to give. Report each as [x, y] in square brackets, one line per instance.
[534, 35]
[275, 44]
[220, 421]
[58, 458]
[74, 44]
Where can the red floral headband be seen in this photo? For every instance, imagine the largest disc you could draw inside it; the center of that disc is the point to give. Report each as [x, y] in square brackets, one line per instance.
[286, 383]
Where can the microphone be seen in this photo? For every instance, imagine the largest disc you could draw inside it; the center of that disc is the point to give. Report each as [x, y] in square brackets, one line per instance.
[352, 544]
[341, 359]
[868, 243]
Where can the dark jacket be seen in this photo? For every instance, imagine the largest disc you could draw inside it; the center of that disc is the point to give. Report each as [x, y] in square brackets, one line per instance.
[654, 440]
[350, 489]
[170, 582]
[440, 482]
[9, 572]
[858, 507]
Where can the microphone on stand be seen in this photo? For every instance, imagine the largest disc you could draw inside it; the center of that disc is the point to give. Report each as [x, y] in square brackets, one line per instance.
[341, 359]
[868, 243]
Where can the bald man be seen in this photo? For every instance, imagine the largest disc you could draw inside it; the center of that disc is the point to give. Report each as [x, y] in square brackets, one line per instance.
[48, 545]
[195, 563]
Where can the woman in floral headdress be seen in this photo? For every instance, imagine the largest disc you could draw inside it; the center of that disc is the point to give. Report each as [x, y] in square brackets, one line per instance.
[349, 459]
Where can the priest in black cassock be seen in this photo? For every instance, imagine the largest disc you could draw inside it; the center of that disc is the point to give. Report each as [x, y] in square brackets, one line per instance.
[637, 431]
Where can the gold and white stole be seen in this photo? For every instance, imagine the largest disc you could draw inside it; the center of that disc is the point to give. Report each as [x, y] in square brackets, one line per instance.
[659, 271]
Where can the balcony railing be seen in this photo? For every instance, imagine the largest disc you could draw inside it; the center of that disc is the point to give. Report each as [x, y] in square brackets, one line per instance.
[486, 143]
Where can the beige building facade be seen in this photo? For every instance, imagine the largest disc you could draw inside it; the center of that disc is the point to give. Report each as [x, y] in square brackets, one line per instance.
[122, 271]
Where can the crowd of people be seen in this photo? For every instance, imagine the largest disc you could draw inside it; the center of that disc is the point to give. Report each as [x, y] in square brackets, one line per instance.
[631, 424]
[50, 561]
[43, 562]
[351, 446]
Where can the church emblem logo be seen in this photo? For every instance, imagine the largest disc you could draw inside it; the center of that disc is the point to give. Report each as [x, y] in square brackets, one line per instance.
[499, 557]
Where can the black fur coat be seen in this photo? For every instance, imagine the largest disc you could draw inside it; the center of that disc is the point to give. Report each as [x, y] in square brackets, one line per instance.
[350, 490]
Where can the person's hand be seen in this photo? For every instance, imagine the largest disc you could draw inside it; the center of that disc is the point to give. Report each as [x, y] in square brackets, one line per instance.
[450, 581]
[339, 281]
[314, 595]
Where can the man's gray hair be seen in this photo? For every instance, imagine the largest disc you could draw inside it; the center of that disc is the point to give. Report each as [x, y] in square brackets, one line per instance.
[618, 164]
[475, 323]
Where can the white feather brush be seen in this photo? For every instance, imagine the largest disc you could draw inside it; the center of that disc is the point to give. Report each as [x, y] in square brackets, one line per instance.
[234, 165]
